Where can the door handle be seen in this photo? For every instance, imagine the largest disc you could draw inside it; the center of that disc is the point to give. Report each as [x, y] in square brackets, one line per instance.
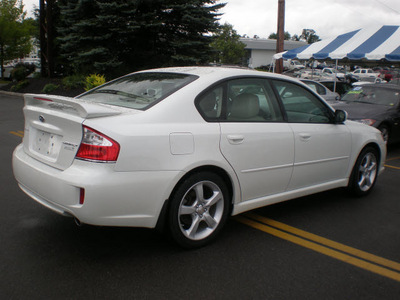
[305, 137]
[235, 139]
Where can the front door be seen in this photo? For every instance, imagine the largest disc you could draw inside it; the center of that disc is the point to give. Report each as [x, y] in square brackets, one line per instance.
[322, 148]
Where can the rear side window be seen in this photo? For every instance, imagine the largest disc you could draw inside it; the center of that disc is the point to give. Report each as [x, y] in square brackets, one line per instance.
[210, 104]
[252, 100]
[240, 100]
[301, 105]
[139, 90]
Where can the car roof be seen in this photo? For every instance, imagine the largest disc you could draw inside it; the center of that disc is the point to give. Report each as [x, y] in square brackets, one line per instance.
[381, 85]
[218, 73]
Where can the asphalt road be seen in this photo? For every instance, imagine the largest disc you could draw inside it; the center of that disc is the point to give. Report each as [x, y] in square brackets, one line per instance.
[337, 247]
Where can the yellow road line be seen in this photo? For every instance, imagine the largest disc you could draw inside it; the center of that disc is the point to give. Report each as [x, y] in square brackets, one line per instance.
[393, 158]
[326, 242]
[325, 250]
[17, 133]
[393, 167]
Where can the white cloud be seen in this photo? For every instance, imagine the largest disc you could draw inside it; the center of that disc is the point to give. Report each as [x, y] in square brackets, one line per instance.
[327, 17]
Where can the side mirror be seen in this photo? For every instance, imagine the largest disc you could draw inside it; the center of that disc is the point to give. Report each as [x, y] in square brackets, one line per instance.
[340, 116]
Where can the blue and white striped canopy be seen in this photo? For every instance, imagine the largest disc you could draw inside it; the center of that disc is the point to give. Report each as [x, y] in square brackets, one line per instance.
[374, 43]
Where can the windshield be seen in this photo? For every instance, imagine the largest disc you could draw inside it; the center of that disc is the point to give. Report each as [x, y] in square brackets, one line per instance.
[139, 90]
[373, 95]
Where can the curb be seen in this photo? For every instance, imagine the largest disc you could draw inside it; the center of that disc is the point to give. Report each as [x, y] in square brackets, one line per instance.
[11, 93]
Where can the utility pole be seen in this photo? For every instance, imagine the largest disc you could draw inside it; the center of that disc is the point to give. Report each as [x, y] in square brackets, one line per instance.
[280, 35]
[46, 37]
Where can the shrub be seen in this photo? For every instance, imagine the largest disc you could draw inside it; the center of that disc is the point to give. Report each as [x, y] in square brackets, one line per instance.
[36, 75]
[19, 73]
[20, 85]
[50, 87]
[22, 70]
[73, 82]
[94, 80]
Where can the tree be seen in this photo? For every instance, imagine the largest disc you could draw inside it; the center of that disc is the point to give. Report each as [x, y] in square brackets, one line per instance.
[274, 36]
[14, 31]
[114, 37]
[309, 36]
[227, 45]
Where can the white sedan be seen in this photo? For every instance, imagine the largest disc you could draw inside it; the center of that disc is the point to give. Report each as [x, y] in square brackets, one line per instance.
[184, 148]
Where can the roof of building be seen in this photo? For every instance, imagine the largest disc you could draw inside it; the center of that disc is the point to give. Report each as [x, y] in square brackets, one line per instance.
[267, 44]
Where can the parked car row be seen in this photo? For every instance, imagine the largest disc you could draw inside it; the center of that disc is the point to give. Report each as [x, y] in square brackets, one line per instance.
[363, 75]
[375, 104]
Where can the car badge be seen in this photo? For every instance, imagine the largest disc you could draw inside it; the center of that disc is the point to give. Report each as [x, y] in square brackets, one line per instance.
[42, 119]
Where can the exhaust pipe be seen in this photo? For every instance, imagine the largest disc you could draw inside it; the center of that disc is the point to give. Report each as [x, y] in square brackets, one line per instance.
[78, 222]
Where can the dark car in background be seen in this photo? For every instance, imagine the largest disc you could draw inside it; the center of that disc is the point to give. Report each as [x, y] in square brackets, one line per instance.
[376, 105]
[342, 87]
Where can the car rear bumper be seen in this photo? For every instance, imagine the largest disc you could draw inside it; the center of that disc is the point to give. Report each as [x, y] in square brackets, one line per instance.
[110, 198]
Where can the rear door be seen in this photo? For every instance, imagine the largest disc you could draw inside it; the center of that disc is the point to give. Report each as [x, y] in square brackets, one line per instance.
[255, 139]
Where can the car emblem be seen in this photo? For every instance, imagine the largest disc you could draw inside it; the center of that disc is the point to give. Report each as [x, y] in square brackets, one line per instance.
[42, 119]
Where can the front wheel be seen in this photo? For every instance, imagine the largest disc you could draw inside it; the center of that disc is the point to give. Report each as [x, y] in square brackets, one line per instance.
[199, 209]
[365, 172]
[385, 133]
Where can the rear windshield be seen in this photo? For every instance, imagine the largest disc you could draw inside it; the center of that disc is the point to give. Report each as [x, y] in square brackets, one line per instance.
[139, 90]
[373, 95]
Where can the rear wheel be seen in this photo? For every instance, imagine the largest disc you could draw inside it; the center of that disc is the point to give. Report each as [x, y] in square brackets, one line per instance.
[365, 172]
[199, 209]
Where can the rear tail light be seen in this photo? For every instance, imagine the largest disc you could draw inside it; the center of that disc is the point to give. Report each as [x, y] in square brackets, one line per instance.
[96, 146]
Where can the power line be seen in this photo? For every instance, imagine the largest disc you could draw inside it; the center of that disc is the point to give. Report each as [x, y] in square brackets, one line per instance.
[388, 7]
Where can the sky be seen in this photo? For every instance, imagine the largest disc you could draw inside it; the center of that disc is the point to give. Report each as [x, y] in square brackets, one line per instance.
[327, 17]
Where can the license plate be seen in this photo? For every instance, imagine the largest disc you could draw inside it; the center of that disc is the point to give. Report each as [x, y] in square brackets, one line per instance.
[47, 144]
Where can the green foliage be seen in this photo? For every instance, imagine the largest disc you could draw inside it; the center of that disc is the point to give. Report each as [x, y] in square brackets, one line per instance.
[94, 80]
[21, 71]
[227, 46]
[309, 36]
[36, 75]
[274, 36]
[49, 88]
[115, 37]
[14, 31]
[19, 86]
[73, 82]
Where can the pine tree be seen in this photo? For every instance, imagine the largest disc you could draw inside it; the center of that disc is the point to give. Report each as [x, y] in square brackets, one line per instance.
[115, 37]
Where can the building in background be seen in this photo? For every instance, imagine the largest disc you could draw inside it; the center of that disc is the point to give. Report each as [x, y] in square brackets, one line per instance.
[260, 52]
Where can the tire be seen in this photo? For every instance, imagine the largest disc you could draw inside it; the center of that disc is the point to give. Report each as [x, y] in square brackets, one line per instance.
[385, 133]
[365, 172]
[198, 210]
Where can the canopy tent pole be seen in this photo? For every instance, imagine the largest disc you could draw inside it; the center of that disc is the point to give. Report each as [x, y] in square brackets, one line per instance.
[334, 83]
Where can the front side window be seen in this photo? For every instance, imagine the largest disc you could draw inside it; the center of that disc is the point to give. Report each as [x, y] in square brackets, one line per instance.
[316, 87]
[139, 90]
[301, 105]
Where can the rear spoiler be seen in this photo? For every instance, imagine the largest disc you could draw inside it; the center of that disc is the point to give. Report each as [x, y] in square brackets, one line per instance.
[70, 105]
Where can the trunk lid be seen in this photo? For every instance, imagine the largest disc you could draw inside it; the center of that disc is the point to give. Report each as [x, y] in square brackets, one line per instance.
[53, 127]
